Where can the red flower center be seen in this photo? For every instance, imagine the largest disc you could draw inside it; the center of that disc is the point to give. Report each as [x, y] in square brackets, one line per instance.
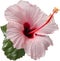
[27, 30]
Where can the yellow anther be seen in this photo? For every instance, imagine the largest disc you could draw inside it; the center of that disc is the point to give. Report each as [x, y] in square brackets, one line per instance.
[55, 10]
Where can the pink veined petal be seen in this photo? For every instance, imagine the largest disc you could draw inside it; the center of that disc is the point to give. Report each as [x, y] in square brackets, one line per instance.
[34, 15]
[14, 25]
[36, 47]
[11, 34]
[17, 39]
[13, 29]
[13, 39]
[15, 13]
[19, 42]
[46, 41]
[49, 28]
[14, 33]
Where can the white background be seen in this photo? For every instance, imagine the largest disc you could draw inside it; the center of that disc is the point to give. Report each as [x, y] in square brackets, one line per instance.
[53, 53]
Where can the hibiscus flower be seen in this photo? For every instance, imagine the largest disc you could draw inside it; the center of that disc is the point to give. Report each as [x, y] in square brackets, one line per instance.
[27, 28]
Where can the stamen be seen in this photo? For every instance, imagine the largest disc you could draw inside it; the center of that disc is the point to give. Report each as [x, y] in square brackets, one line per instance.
[55, 10]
